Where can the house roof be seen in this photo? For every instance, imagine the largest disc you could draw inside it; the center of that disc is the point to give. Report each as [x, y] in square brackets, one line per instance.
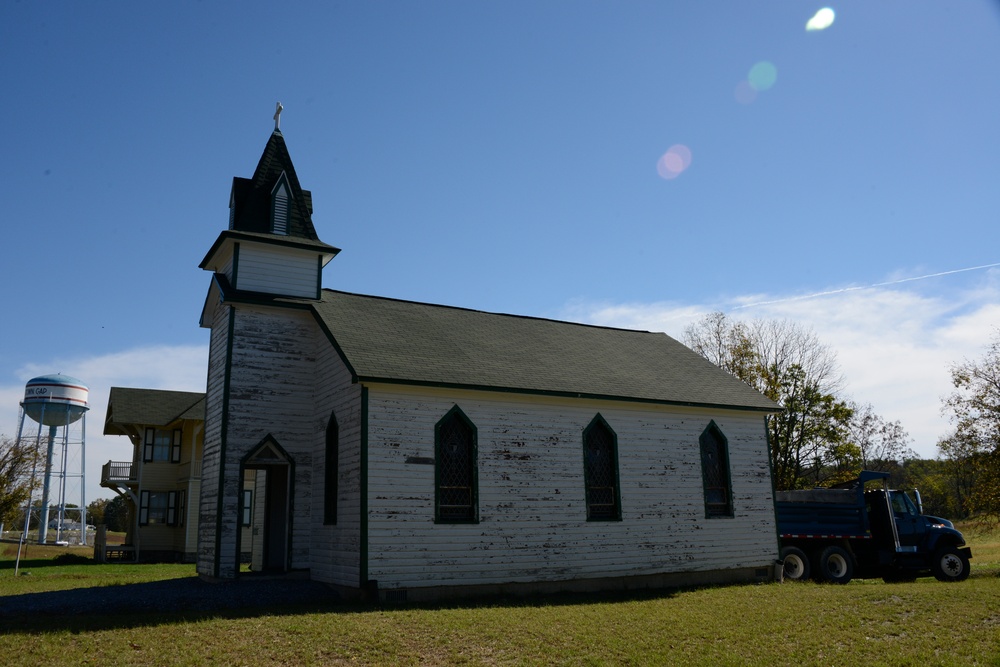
[150, 407]
[397, 341]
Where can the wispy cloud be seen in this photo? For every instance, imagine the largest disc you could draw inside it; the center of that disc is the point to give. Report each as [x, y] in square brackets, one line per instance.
[855, 288]
[895, 343]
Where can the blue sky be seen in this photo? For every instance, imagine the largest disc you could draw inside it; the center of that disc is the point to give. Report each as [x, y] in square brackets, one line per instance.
[504, 156]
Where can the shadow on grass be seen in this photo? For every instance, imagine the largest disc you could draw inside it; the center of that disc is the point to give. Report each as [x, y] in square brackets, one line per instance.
[61, 560]
[190, 599]
[160, 602]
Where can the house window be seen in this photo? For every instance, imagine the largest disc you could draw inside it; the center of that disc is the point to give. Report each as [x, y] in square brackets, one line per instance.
[162, 445]
[158, 508]
[715, 472]
[456, 493]
[331, 471]
[246, 511]
[600, 468]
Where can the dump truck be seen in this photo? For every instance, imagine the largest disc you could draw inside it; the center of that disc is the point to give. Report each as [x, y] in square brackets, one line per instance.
[856, 531]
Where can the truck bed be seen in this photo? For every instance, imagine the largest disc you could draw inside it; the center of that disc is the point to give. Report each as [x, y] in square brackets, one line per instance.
[821, 513]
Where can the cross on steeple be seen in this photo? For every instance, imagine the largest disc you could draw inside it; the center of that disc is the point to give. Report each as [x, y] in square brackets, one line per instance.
[277, 116]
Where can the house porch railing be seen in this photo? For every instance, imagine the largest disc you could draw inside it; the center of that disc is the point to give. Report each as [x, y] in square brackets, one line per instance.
[190, 470]
[117, 473]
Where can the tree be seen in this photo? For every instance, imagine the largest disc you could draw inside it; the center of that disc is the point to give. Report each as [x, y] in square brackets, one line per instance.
[940, 490]
[17, 459]
[974, 409]
[788, 364]
[881, 444]
[959, 457]
[116, 514]
[95, 511]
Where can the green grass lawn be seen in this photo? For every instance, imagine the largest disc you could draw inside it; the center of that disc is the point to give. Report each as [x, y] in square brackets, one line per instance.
[864, 622]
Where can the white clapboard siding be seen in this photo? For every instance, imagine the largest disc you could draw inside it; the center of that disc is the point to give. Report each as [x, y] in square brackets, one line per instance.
[227, 268]
[335, 551]
[272, 378]
[532, 508]
[208, 505]
[272, 375]
[276, 270]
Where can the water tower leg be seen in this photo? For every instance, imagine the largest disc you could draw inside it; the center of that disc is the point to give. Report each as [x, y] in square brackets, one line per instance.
[83, 480]
[44, 525]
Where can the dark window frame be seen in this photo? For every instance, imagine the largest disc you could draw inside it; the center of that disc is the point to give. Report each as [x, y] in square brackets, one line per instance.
[455, 428]
[246, 508]
[331, 472]
[716, 474]
[600, 466]
[165, 506]
[157, 451]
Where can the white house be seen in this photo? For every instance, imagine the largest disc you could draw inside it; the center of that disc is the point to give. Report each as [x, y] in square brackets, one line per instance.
[422, 450]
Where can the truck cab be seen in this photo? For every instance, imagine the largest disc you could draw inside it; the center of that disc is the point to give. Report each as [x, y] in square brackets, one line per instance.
[919, 543]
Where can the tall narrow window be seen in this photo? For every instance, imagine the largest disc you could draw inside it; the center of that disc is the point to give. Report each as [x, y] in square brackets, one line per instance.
[331, 471]
[246, 510]
[456, 490]
[600, 469]
[715, 472]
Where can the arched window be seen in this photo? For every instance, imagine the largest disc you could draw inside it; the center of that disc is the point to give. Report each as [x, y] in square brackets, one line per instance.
[600, 469]
[456, 494]
[715, 472]
[331, 470]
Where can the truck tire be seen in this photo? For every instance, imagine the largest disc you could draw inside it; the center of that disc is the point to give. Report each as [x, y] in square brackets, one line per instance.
[796, 564]
[835, 565]
[950, 564]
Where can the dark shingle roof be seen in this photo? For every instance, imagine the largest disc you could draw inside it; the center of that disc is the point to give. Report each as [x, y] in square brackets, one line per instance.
[252, 196]
[151, 407]
[400, 341]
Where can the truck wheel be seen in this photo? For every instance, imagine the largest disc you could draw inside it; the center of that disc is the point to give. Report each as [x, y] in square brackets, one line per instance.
[796, 565]
[835, 565]
[950, 564]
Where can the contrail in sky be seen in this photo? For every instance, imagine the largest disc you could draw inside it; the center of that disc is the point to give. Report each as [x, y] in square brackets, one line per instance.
[854, 289]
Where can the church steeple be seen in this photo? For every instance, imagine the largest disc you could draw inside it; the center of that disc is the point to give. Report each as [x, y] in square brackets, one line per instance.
[272, 201]
[271, 247]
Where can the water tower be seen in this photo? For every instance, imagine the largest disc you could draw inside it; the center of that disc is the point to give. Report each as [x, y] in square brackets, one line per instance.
[58, 405]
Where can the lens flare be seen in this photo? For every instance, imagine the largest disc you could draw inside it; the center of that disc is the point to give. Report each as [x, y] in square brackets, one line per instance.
[821, 20]
[762, 75]
[673, 163]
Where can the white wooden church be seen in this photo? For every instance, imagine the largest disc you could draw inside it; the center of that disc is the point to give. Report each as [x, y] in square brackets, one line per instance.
[419, 451]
